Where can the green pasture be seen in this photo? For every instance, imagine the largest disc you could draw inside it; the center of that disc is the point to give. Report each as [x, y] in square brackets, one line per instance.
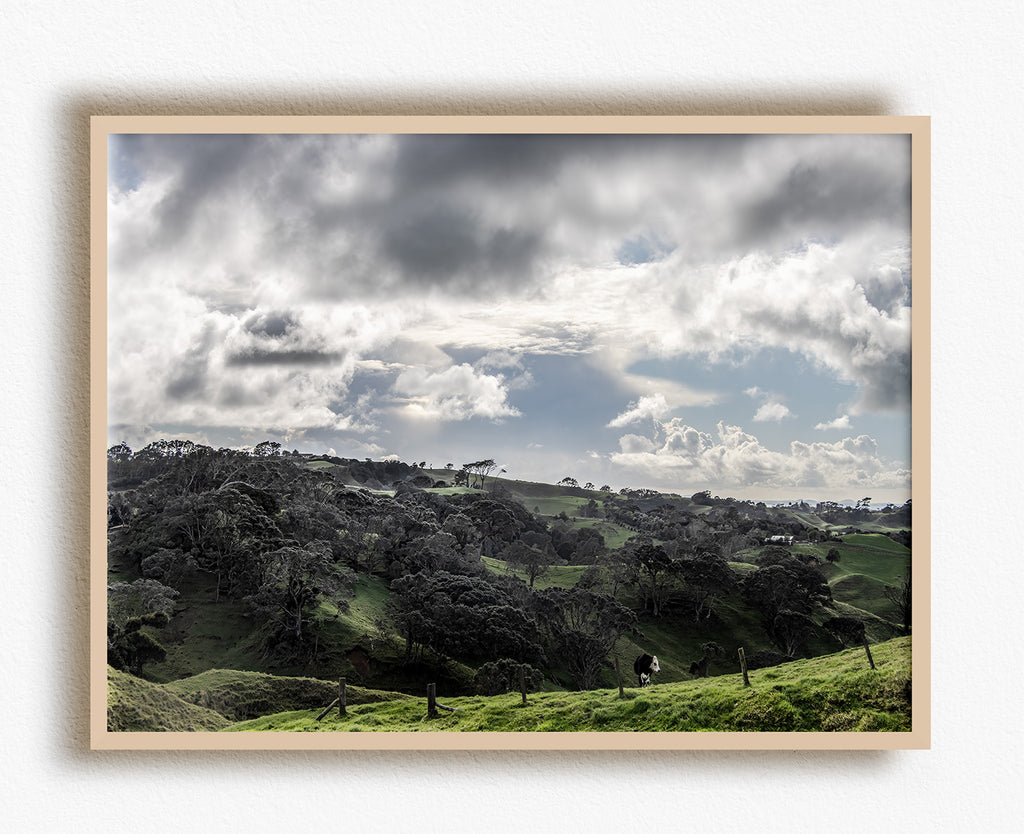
[835, 692]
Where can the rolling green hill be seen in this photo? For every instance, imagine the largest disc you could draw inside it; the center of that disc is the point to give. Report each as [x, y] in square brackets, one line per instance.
[209, 701]
[205, 633]
[135, 705]
[228, 659]
[833, 693]
[557, 576]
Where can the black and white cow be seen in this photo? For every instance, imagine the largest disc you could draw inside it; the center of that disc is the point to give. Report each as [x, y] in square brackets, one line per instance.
[645, 666]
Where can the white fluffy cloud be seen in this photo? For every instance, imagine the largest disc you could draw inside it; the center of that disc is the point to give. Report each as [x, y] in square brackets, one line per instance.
[457, 393]
[734, 458]
[841, 423]
[313, 283]
[772, 409]
[646, 408]
[772, 412]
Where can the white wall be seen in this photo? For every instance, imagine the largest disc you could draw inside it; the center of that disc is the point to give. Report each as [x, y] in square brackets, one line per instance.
[60, 62]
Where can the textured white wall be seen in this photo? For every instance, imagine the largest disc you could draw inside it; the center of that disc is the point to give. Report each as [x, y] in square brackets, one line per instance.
[61, 62]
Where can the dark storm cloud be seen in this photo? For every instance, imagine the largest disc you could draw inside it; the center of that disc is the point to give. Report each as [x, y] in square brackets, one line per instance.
[531, 159]
[825, 199]
[284, 357]
[431, 161]
[353, 216]
[202, 167]
[271, 324]
[448, 245]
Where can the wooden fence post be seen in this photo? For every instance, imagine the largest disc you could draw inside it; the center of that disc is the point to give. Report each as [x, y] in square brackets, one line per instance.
[743, 667]
[327, 709]
[431, 700]
[341, 697]
[871, 660]
[618, 677]
[522, 681]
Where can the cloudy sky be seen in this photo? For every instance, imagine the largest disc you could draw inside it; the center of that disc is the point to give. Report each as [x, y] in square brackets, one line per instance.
[682, 312]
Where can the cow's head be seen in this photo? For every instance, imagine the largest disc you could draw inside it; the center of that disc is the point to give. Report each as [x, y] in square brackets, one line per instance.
[654, 665]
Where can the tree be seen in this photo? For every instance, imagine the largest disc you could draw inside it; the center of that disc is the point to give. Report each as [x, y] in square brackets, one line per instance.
[121, 453]
[833, 555]
[267, 449]
[481, 468]
[790, 631]
[589, 546]
[581, 627]
[533, 561]
[294, 580]
[706, 576]
[653, 564]
[569, 481]
[168, 565]
[223, 530]
[900, 597]
[129, 648]
[588, 485]
[464, 616]
[130, 600]
[130, 608]
[783, 584]
[847, 630]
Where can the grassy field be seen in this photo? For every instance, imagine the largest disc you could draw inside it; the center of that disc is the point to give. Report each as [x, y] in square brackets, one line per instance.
[217, 697]
[867, 564]
[558, 576]
[135, 705]
[832, 693]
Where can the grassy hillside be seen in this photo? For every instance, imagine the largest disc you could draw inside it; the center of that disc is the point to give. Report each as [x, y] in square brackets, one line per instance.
[241, 695]
[229, 663]
[205, 633]
[209, 701]
[558, 576]
[135, 705]
[867, 564]
[832, 693]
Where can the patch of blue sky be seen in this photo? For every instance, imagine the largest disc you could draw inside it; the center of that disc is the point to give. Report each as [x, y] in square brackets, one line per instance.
[641, 250]
[811, 395]
[121, 168]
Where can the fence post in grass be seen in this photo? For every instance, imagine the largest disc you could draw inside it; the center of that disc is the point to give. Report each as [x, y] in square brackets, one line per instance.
[743, 667]
[618, 677]
[871, 660]
[431, 700]
[522, 681]
[327, 709]
[341, 697]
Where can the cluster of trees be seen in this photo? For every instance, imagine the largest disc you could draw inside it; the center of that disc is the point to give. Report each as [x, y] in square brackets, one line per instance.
[283, 539]
[785, 590]
[474, 474]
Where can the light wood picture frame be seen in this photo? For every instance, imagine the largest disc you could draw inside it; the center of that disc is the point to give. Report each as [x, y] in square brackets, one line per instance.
[475, 271]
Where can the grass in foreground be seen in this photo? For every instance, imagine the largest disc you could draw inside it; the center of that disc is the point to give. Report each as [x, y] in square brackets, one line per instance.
[833, 693]
[213, 699]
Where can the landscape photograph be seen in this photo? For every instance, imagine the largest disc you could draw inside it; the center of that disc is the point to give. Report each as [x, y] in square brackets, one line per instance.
[443, 432]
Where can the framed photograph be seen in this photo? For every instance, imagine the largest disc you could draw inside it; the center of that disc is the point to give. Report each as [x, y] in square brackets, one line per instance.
[510, 433]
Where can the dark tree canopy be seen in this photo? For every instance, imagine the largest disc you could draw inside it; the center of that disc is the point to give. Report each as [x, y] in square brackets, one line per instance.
[706, 576]
[581, 628]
